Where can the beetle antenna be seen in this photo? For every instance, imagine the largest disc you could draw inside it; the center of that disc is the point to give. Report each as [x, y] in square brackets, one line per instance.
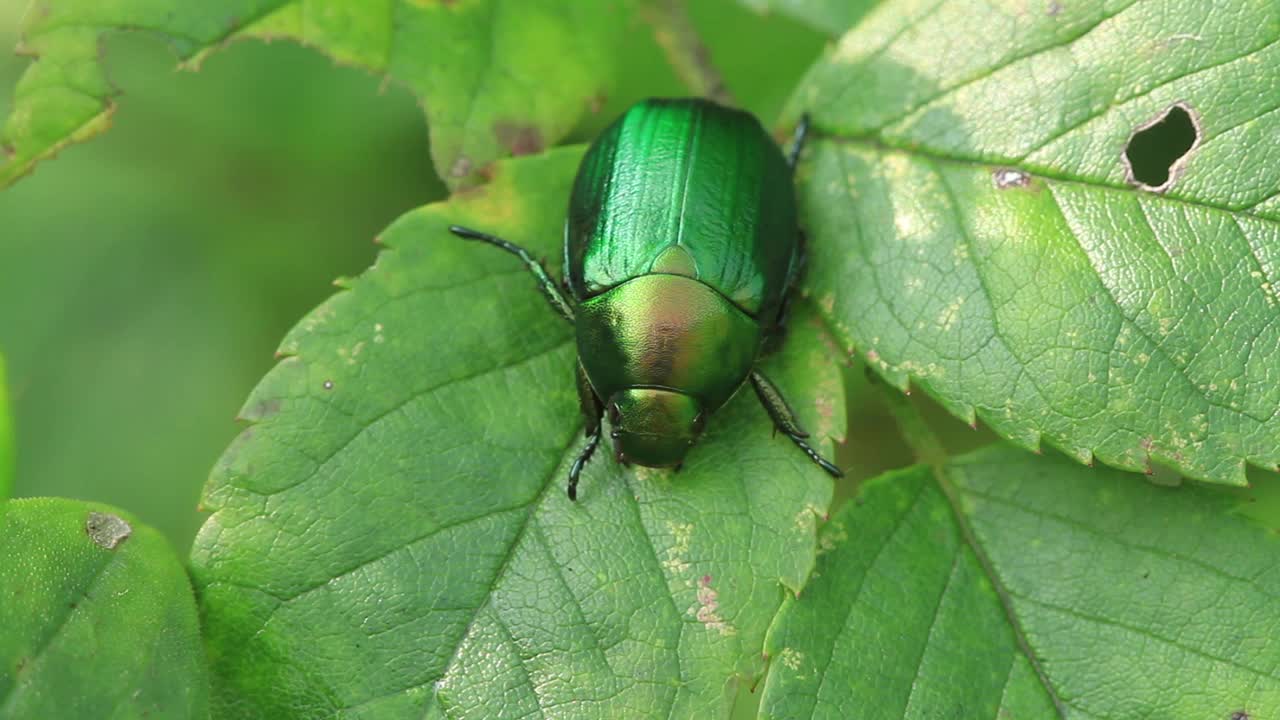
[548, 286]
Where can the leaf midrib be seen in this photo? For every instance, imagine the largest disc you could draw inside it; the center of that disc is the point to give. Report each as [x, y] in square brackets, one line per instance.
[881, 145]
[72, 610]
[928, 450]
[530, 508]
[937, 161]
[1002, 592]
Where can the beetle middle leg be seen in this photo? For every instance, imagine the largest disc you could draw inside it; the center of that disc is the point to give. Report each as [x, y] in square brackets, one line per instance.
[592, 411]
[785, 420]
[778, 332]
[549, 289]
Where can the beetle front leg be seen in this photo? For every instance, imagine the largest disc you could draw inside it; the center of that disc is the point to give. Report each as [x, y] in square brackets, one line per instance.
[592, 411]
[549, 289]
[785, 420]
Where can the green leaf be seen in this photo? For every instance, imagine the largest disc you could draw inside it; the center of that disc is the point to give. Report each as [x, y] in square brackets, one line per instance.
[495, 77]
[1067, 592]
[974, 232]
[65, 96]
[6, 438]
[96, 617]
[832, 17]
[392, 538]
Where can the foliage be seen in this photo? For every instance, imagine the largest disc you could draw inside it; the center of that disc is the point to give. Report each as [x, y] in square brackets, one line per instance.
[434, 350]
[390, 537]
[6, 438]
[927, 603]
[528, 71]
[943, 229]
[97, 614]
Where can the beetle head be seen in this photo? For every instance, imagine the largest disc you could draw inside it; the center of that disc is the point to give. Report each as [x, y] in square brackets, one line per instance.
[654, 427]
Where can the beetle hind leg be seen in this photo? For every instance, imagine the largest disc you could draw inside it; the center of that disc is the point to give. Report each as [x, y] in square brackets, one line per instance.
[549, 289]
[592, 412]
[593, 439]
[785, 420]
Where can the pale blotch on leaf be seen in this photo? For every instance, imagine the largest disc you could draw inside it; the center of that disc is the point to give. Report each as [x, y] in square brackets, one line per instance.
[1007, 178]
[107, 530]
[791, 657]
[681, 533]
[708, 611]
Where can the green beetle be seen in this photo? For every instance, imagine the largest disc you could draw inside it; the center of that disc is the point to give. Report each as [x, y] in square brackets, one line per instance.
[681, 250]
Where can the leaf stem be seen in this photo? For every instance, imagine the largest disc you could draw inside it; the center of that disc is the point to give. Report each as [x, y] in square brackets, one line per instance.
[685, 51]
[915, 431]
[928, 449]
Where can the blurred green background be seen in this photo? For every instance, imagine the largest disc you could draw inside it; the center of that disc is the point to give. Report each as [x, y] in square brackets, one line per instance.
[147, 276]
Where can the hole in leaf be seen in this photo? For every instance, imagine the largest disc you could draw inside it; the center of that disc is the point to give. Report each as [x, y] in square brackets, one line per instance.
[1156, 150]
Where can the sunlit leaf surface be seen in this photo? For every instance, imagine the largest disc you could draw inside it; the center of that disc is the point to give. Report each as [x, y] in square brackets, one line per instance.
[976, 232]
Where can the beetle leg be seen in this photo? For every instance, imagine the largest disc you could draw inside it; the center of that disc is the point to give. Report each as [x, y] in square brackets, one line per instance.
[785, 420]
[588, 401]
[548, 286]
[780, 412]
[593, 439]
[776, 333]
[592, 409]
[797, 141]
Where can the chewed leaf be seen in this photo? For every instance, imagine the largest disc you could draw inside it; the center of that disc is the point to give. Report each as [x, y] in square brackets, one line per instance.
[1067, 235]
[495, 77]
[97, 615]
[1074, 592]
[392, 534]
[65, 97]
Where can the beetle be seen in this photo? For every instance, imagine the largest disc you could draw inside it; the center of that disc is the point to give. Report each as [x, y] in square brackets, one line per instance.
[681, 251]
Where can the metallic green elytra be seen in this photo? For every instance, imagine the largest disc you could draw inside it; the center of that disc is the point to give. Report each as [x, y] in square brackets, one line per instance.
[681, 248]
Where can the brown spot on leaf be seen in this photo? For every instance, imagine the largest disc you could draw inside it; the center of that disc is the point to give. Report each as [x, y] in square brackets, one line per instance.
[265, 409]
[519, 139]
[107, 530]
